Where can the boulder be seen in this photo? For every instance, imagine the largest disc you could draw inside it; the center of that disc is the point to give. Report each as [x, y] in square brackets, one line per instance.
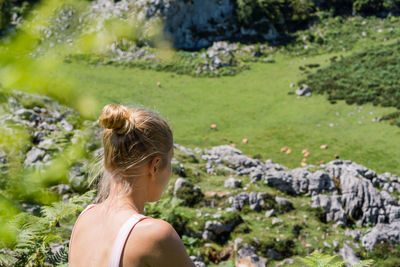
[247, 257]
[219, 230]
[332, 208]
[33, 156]
[256, 200]
[283, 204]
[78, 176]
[348, 255]
[189, 193]
[232, 183]
[361, 201]
[300, 181]
[388, 233]
[303, 90]
[198, 261]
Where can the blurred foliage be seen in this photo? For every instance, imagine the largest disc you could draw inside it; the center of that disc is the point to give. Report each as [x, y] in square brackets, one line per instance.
[27, 55]
[35, 235]
[318, 259]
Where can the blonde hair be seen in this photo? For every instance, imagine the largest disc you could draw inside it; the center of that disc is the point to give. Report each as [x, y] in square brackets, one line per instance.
[131, 137]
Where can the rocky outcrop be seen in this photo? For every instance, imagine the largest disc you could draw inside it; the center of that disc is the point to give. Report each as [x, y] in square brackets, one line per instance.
[190, 24]
[247, 257]
[354, 187]
[300, 181]
[362, 202]
[388, 233]
[257, 201]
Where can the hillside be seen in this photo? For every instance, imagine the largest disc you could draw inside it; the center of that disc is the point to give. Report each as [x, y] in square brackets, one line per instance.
[225, 205]
[285, 117]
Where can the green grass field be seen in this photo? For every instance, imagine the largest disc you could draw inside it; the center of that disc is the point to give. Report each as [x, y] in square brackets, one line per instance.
[255, 105]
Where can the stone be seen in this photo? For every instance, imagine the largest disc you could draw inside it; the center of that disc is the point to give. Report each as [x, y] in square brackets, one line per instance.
[78, 176]
[247, 257]
[272, 254]
[33, 209]
[283, 204]
[220, 231]
[303, 90]
[187, 151]
[332, 208]
[189, 193]
[355, 234]
[276, 221]
[233, 183]
[67, 126]
[348, 255]
[33, 156]
[256, 200]
[197, 261]
[388, 233]
[269, 213]
[361, 200]
[236, 243]
[300, 181]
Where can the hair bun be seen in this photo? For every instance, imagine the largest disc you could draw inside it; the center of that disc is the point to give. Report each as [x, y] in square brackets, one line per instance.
[116, 118]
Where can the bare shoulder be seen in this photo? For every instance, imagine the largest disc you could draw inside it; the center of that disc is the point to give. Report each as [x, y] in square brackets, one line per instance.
[155, 229]
[159, 243]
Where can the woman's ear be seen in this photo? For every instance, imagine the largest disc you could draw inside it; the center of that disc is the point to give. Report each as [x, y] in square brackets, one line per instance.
[154, 165]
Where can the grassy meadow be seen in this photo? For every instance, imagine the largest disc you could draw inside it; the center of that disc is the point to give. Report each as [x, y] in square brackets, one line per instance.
[254, 104]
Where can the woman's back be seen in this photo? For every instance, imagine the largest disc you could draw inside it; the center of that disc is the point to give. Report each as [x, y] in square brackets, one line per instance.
[150, 242]
[94, 236]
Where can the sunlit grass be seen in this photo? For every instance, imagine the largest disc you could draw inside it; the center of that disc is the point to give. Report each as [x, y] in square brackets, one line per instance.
[254, 105]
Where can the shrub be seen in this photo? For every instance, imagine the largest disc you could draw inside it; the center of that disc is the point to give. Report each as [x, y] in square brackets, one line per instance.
[283, 14]
[345, 79]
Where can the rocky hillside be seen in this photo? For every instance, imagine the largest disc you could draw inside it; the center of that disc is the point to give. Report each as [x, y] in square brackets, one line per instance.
[226, 206]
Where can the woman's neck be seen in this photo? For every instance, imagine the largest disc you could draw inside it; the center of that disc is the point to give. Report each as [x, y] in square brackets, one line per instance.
[134, 200]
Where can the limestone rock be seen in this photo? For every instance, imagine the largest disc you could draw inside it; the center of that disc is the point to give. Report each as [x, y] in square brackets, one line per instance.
[232, 183]
[303, 90]
[332, 208]
[33, 156]
[256, 200]
[189, 193]
[348, 255]
[283, 204]
[247, 257]
[389, 233]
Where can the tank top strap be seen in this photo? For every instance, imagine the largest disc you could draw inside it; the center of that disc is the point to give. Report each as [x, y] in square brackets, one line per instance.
[122, 237]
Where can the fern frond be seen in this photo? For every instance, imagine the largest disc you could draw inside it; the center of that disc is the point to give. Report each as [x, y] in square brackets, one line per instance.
[60, 210]
[58, 257]
[318, 259]
[84, 199]
[364, 263]
[7, 258]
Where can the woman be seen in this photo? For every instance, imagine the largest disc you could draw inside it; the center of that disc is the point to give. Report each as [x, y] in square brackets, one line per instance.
[138, 148]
